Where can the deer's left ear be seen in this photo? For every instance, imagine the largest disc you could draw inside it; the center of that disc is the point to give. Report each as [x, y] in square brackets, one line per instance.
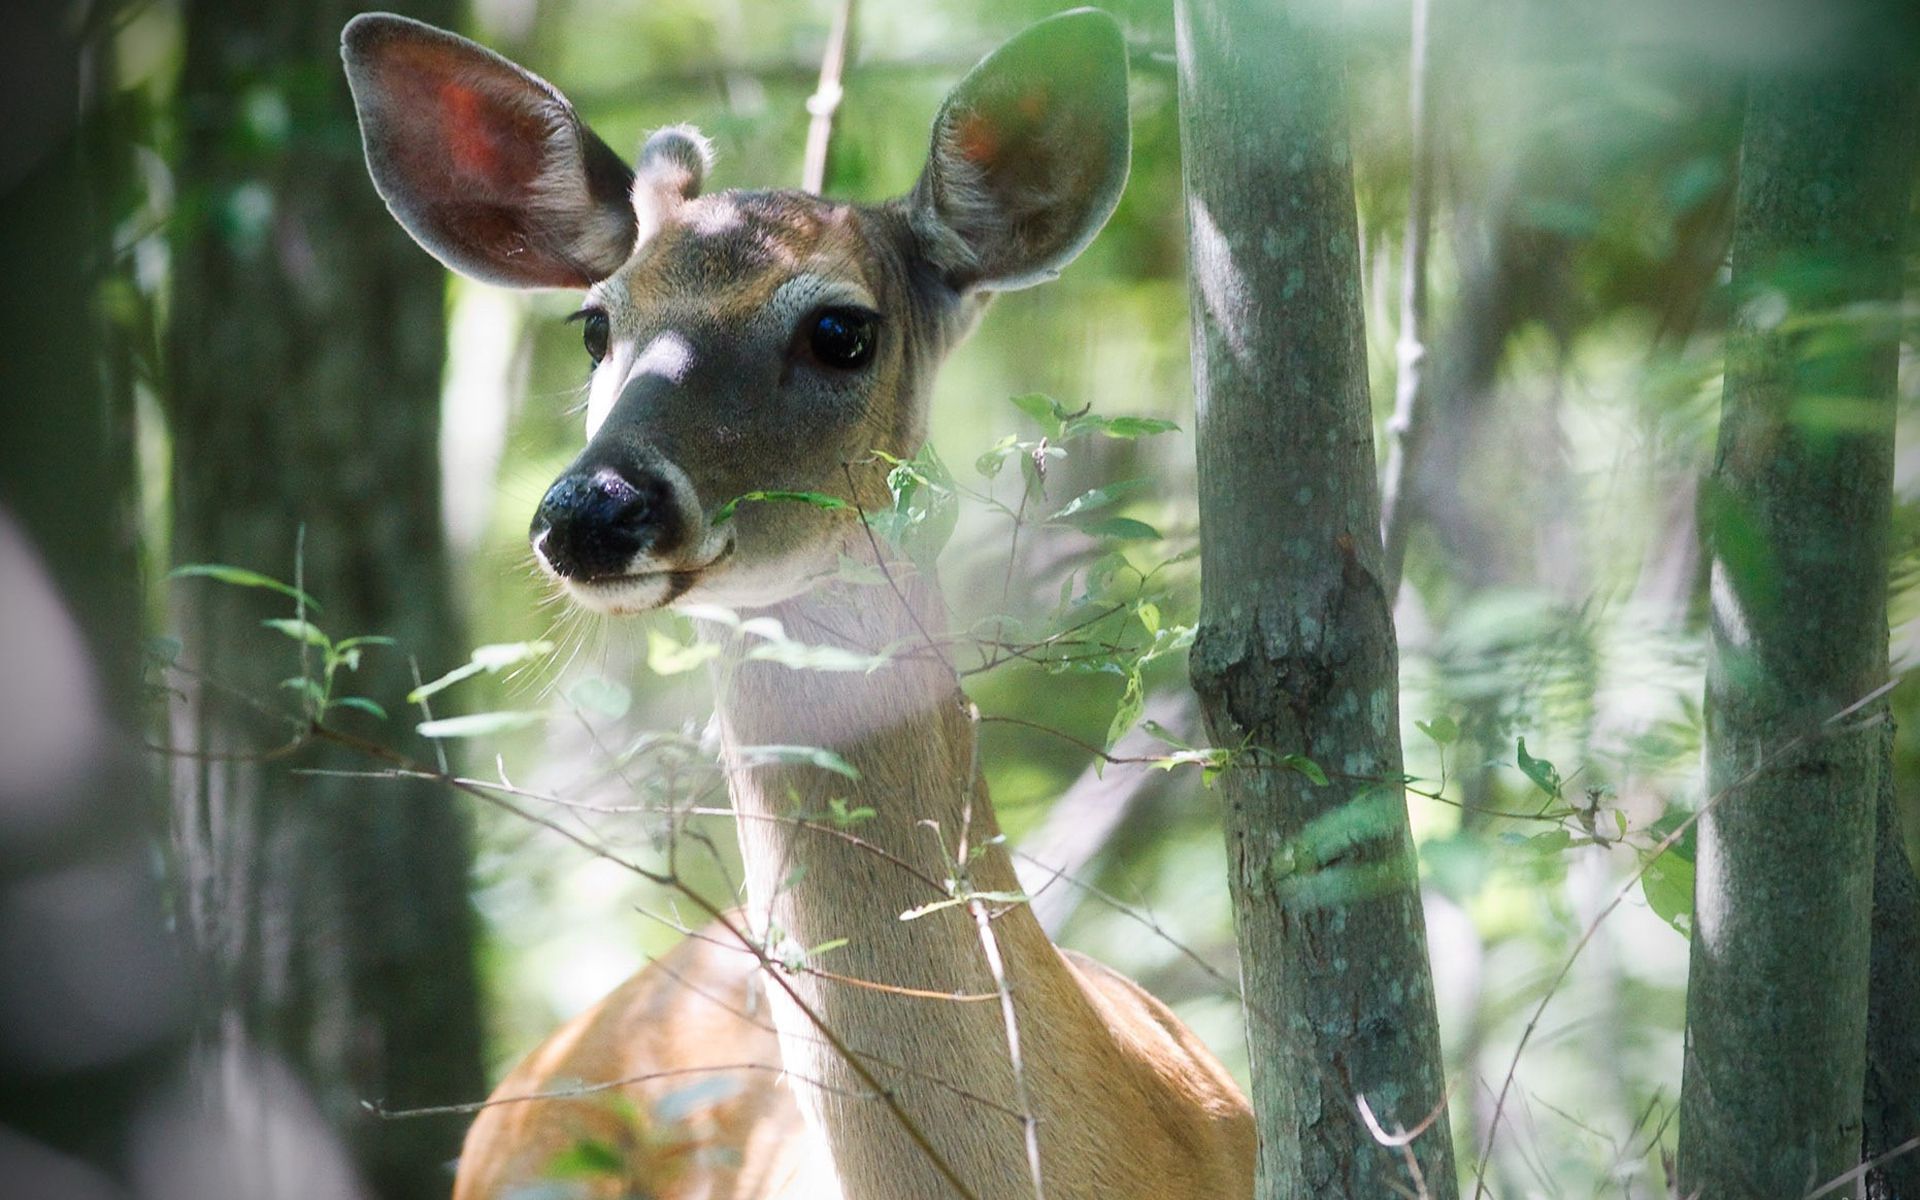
[1029, 155]
[483, 162]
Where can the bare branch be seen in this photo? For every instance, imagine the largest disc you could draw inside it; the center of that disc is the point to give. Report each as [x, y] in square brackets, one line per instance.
[1406, 429]
[824, 104]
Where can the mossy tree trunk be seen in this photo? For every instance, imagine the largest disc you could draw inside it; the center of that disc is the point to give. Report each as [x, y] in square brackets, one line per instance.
[331, 916]
[1798, 512]
[1296, 651]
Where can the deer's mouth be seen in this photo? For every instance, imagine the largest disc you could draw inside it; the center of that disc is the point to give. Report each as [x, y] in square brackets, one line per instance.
[643, 591]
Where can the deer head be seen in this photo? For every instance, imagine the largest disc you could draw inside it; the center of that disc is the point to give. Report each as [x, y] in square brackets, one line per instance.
[746, 340]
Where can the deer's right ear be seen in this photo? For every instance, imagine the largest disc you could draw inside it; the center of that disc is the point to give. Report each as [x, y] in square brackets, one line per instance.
[485, 164]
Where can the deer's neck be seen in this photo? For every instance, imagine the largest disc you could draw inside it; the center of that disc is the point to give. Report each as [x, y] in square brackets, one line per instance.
[830, 857]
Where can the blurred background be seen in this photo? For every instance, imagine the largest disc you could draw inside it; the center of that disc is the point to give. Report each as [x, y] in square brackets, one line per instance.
[293, 389]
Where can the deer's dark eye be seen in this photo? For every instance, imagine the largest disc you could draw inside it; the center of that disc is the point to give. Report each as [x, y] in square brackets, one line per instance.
[596, 329]
[843, 337]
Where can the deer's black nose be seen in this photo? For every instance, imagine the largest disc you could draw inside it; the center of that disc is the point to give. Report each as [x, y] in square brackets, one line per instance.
[592, 523]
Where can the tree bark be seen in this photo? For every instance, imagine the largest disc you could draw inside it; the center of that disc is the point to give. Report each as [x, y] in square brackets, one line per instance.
[1798, 511]
[1296, 652]
[331, 917]
[1891, 1104]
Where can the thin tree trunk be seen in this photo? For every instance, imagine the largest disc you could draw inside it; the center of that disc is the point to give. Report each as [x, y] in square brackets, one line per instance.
[1798, 510]
[332, 918]
[1296, 652]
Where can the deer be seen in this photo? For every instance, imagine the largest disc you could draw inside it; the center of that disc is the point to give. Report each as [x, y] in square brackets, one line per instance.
[747, 342]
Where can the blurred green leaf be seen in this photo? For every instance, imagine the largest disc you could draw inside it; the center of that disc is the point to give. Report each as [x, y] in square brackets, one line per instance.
[600, 696]
[1099, 497]
[1441, 729]
[1045, 412]
[492, 658]
[299, 631]
[241, 577]
[362, 704]
[479, 724]
[668, 657]
[1124, 529]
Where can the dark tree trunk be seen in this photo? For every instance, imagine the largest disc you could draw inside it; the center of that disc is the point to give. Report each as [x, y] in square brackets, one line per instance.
[1891, 1113]
[331, 916]
[1296, 651]
[1798, 511]
[96, 1017]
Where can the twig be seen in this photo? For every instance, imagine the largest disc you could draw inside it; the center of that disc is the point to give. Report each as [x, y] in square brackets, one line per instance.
[1406, 429]
[824, 104]
[593, 1089]
[1030, 1125]
[1402, 1139]
[1839, 1181]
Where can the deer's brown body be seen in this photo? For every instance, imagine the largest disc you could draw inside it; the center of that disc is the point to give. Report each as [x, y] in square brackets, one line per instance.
[754, 341]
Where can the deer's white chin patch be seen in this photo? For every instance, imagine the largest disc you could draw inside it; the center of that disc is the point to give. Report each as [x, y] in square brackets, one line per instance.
[626, 596]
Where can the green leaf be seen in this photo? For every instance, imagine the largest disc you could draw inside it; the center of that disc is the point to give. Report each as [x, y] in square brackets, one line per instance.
[600, 696]
[1044, 410]
[587, 1159]
[799, 656]
[817, 499]
[1156, 730]
[1133, 427]
[990, 463]
[364, 640]
[241, 577]
[492, 658]
[1098, 498]
[1668, 885]
[1544, 774]
[812, 756]
[478, 724]
[1124, 529]
[1149, 614]
[847, 818]
[308, 688]
[362, 703]
[1132, 702]
[925, 508]
[1441, 729]
[298, 630]
[1305, 766]
[1553, 841]
[668, 657]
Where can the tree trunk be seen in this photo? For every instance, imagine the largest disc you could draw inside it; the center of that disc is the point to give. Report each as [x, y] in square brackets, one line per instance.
[1798, 511]
[1296, 651]
[332, 917]
[96, 1016]
[1891, 1115]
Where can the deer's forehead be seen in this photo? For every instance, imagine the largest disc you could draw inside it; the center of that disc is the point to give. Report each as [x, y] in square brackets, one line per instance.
[732, 256]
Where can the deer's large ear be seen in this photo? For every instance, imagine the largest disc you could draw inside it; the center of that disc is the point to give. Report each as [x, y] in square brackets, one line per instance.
[1029, 155]
[484, 163]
